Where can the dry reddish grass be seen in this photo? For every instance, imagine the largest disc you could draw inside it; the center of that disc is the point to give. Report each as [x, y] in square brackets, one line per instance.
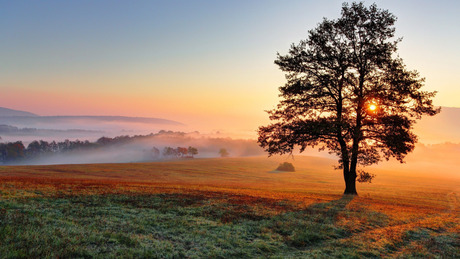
[408, 200]
[249, 176]
[315, 180]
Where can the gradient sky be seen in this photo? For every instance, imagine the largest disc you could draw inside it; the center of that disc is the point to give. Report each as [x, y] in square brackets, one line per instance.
[203, 63]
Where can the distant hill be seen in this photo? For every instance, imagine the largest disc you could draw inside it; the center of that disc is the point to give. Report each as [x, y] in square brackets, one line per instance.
[12, 117]
[31, 120]
[10, 112]
[15, 131]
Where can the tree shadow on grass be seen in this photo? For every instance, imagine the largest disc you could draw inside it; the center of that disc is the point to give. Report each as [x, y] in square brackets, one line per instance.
[313, 225]
[330, 210]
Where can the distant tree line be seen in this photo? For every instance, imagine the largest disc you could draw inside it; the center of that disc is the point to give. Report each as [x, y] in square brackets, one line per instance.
[12, 152]
[8, 129]
[16, 151]
[179, 152]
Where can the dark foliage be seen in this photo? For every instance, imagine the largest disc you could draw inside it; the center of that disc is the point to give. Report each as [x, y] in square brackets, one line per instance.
[12, 151]
[347, 91]
[364, 177]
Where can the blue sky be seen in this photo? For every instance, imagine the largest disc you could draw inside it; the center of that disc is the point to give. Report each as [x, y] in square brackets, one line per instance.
[189, 60]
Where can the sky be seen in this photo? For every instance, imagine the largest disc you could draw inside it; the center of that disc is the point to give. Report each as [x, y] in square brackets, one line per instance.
[208, 64]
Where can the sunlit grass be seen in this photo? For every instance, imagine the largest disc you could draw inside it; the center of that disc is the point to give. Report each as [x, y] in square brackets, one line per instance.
[220, 208]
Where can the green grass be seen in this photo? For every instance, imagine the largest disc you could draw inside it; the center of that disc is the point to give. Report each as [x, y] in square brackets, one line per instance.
[195, 226]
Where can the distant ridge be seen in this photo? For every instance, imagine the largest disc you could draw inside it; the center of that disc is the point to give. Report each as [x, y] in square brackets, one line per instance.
[15, 131]
[5, 112]
[30, 120]
[10, 116]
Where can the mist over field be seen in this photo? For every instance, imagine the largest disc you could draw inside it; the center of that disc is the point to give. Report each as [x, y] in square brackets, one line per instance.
[59, 128]
[139, 149]
[439, 160]
[442, 128]
[436, 151]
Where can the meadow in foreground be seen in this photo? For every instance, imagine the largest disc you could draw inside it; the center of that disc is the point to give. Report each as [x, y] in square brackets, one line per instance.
[222, 208]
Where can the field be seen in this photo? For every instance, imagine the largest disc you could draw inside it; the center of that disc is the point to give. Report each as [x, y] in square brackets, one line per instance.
[220, 208]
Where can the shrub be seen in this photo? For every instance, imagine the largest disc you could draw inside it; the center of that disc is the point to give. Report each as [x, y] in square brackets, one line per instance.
[364, 177]
[286, 166]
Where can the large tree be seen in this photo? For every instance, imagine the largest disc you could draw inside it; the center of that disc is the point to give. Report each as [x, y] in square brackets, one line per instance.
[347, 91]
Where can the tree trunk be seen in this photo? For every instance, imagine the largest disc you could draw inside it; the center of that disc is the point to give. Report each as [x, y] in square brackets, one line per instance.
[349, 173]
[350, 183]
[350, 178]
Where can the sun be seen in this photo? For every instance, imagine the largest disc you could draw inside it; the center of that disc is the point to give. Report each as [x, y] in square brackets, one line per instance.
[372, 107]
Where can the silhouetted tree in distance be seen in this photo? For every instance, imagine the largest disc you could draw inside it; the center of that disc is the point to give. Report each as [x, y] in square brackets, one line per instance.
[170, 152]
[223, 152]
[348, 92]
[192, 151]
[11, 151]
[33, 149]
[182, 151]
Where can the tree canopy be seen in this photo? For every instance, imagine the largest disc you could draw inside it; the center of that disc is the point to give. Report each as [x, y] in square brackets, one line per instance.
[349, 92]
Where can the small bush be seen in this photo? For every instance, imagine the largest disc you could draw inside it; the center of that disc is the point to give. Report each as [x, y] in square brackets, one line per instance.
[286, 166]
[364, 177]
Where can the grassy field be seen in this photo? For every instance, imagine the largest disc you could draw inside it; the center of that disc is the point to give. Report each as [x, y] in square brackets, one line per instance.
[221, 208]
